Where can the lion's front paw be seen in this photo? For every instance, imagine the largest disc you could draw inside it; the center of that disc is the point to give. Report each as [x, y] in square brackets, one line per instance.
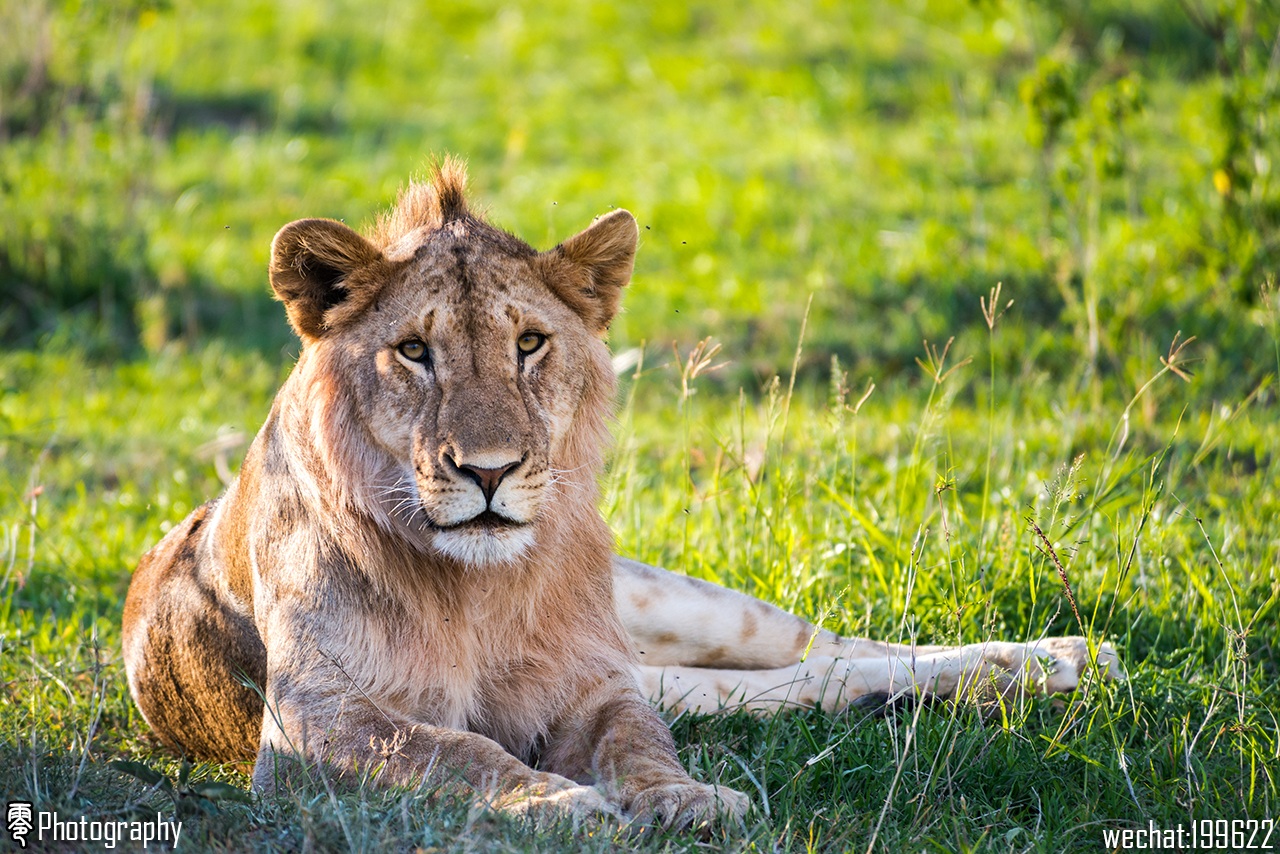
[678, 805]
[575, 803]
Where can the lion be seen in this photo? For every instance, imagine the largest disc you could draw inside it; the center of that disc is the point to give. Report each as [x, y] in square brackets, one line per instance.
[410, 577]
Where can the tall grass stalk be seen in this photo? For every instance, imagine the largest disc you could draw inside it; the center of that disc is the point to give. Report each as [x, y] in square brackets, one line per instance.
[991, 313]
[699, 361]
[840, 408]
[791, 380]
[1271, 305]
[934, 365]
[1237, 658]
[1176, 362]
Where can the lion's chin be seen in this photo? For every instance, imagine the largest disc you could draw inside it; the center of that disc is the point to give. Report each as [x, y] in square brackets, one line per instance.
[485, 545]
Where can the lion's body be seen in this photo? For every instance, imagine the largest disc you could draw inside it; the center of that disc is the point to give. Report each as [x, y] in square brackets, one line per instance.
[411, 568]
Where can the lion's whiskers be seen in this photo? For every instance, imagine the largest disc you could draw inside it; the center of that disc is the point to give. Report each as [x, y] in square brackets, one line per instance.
[405, 495]
[555, 477]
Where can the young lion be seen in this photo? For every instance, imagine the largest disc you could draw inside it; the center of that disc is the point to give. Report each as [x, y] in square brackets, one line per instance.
[411, 567]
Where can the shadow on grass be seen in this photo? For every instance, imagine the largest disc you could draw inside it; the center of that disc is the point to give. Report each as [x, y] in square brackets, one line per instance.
[130, 327]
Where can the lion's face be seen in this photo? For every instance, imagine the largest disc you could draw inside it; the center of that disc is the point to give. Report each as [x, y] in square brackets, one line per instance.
[463, 359]
[475, 373]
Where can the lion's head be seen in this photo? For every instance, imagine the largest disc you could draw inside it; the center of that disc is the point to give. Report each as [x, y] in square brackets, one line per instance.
[453, 382]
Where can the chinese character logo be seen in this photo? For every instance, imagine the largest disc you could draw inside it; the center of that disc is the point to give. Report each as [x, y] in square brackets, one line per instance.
[19, 821]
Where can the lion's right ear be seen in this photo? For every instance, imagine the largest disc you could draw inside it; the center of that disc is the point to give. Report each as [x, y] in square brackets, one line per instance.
[589, 270]
[312, 262]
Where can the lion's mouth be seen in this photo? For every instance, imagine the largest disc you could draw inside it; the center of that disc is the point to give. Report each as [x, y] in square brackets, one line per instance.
[486, 521]
[486, 539]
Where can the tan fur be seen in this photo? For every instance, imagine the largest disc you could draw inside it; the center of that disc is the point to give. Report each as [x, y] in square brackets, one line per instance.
[706, 649]
[411, 566]
[412, 570]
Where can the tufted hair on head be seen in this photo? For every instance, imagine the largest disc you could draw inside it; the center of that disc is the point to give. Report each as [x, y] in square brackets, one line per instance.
[430, 204]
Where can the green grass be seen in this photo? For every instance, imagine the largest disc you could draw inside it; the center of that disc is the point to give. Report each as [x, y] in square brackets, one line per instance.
[872, 170]
[1171, 559]
[882, 159]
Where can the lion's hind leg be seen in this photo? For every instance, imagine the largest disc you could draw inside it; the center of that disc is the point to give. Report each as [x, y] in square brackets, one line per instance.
[706, 648]
[979, 671]
[673, 619]
[1056, 665]
[676, 620]
[195, 662]
[819, 682]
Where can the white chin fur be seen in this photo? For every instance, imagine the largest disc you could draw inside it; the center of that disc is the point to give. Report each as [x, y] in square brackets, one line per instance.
[481, 547]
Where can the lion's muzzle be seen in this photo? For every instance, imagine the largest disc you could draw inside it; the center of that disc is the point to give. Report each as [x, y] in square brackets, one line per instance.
[488, 478]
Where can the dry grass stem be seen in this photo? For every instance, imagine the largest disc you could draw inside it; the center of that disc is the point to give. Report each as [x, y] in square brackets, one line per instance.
[990, 311]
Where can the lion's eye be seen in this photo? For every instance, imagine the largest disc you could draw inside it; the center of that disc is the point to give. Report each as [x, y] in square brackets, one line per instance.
[413, 350]
[530, 342]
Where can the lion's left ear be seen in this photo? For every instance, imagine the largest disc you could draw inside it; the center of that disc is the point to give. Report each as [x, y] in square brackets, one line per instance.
[313, 262]
[589, 270]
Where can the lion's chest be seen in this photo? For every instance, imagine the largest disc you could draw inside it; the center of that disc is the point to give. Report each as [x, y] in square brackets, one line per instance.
[468, 673]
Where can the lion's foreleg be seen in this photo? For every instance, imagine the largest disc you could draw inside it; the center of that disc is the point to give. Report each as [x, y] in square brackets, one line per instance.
[626, 748]
[305, 739]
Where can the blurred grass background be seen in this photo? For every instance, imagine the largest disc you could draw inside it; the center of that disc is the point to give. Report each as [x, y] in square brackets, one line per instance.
[866, 172]
[1109, 162]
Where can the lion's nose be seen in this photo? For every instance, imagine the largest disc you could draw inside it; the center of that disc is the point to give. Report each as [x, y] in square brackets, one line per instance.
[487, 478]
